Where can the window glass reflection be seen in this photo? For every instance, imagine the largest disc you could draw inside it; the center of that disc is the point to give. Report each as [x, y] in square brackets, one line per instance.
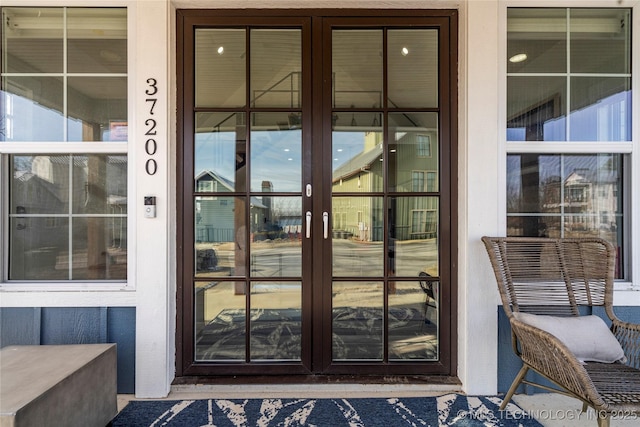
[32, 39]
[220, 152]
[221, 236]
[220, 67]
[357, 152]
[600, 109]
[97, 40]
[536, 108]
[220, 321]
[357, 327]
[276, 321]
[276, 152]
[567, 196]
[32, 109]
[582, 52]
[413, 320]
[413, 152]
[97, 108]
[44, 213]
[276, 66]
[357, 68]
[412, 56]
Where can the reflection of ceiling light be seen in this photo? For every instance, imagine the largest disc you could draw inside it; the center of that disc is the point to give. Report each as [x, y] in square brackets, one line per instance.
[286, 150]
[220, 50]
[290, 159]
[339, 150]
[404, 51]
[519, 57]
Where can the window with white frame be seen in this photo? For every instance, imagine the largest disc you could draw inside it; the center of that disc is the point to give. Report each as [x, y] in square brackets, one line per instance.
[569, 124]
[63, 135]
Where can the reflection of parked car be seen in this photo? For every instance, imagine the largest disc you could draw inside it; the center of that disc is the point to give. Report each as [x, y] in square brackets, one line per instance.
[206, 260]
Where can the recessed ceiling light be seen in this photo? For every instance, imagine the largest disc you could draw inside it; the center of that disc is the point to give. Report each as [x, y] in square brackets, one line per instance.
[519, 57]
[404, 51]
[220, 50]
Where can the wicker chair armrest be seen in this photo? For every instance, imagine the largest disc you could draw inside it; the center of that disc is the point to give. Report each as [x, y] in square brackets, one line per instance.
[547, 355]
[628, 334]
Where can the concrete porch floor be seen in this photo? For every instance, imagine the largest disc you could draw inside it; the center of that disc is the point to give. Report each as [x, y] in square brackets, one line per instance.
[550, 409]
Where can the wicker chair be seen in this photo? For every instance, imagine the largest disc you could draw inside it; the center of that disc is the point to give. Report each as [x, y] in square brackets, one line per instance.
[566, 277]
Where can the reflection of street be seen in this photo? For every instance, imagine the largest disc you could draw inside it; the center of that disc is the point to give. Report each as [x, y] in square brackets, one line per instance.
[352, 258]
[413, 326]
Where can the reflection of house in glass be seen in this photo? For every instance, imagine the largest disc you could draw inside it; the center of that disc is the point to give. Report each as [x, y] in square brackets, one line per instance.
[215, 220]
[70, 217]
[413, 168]
[589, 200]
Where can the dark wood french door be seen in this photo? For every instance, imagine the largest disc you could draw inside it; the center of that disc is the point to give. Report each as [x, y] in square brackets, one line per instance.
[316, 194]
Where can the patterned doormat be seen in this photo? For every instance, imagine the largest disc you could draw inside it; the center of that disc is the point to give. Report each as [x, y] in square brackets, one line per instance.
[446, 410]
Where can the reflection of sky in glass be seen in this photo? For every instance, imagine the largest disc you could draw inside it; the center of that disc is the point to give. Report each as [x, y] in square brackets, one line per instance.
[216, 152]
[25, 120]
[276, 157]
[346, 145]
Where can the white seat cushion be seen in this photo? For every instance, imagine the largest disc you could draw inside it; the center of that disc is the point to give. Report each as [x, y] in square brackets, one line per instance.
[588, 337]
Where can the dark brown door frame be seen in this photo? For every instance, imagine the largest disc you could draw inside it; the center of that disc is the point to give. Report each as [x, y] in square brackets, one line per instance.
[317, 359]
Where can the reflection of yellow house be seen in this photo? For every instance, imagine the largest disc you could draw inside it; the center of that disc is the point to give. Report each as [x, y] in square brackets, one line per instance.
[413, 169]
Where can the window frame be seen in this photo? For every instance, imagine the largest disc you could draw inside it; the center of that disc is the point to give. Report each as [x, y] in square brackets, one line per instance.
[628, 149]
[113, 147]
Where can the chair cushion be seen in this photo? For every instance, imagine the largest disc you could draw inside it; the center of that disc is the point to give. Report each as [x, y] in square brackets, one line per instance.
[588, 337]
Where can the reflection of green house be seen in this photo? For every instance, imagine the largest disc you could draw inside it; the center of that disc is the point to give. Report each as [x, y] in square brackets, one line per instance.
[215, 218]
[413, 168]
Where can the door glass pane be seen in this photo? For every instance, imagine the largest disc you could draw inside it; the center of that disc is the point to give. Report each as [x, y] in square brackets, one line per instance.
[220, 321]
[97, 108]
[276, 321]
[276, 236]
[413, 320]
[97, 40]
[31, 47]
[357, 155]
[26, 110]
[276, 152]
[413, 152]
[357, 312]
[412, 58]
[220, 67]
[357, 68]
[600, 109]
[220, 236]
[220, 152]
[536, 108]
[600, 40]
[276, 68]
[413, 235]
[357, 236]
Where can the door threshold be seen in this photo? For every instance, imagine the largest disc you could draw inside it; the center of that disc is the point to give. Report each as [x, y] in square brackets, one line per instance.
[308, 391]
[312, 387]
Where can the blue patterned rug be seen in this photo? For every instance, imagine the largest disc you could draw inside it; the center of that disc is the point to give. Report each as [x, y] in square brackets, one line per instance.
[446, 410]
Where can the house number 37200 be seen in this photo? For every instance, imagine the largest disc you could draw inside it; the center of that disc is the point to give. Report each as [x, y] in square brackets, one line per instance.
[150, 145]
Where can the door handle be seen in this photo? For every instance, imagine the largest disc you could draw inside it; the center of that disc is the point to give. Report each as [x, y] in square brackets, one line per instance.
[325, 224]
[308, 225]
